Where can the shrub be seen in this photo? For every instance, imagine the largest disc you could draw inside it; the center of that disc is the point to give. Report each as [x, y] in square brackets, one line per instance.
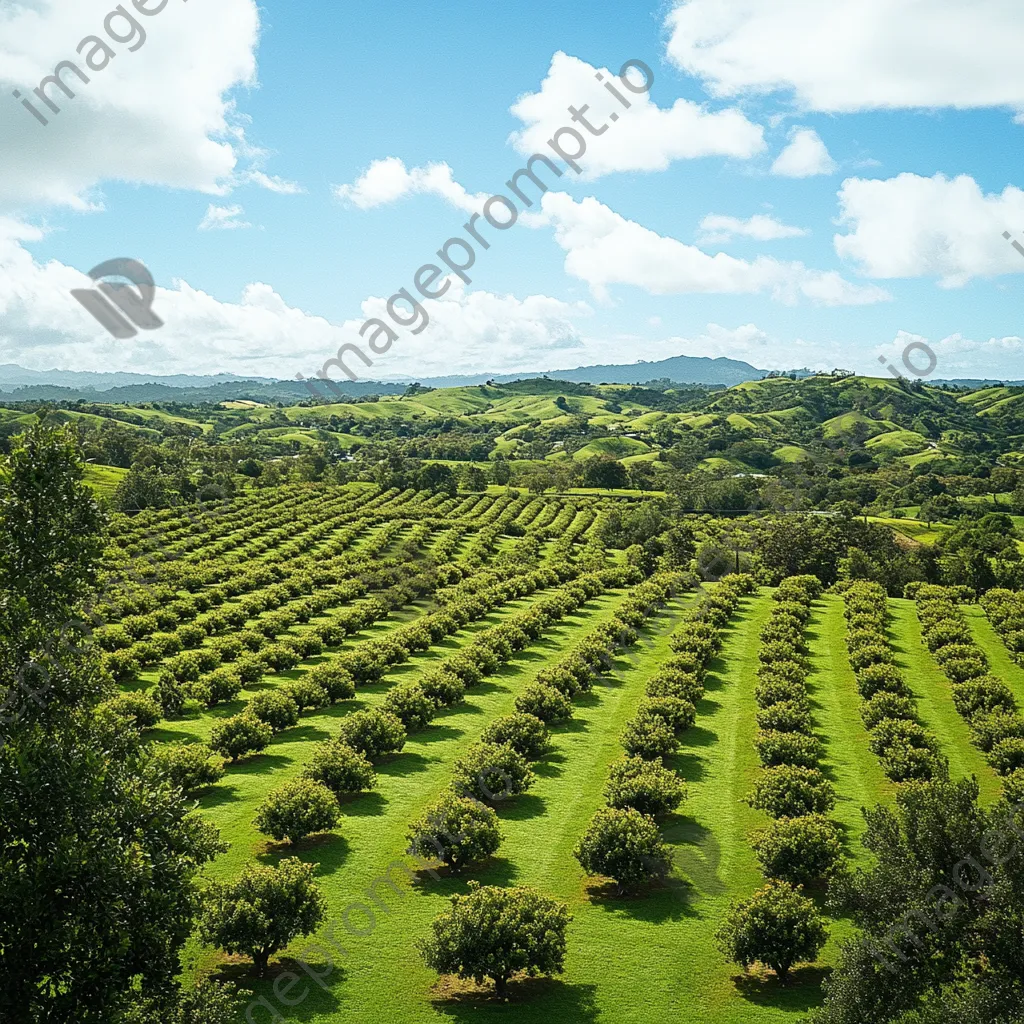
[340, 768]
[646, 786]
[495, 932]
[624, 845]
[789, 791]
[873, 678]
[297, 809]
[240, 736]
[777, 926]
[279, 658]
[798, 850]
[373, 733]
[263, 910]
[650, 737]
[274, 707]
[786, 716]
[491, 772]
[679, 714]
[306, 694]
[526, 734]
[778, 691]
[188, 767]
[456, 831]
[410, 705]
[250, 669]
[333, 679]
[989, 729]
[982, 694]
[444, 688]
[138, 709]
[222, 684]
[886, 705]
[675, 683]
[1007, 755]
[544, 702]
[796, 748]
[872, 654]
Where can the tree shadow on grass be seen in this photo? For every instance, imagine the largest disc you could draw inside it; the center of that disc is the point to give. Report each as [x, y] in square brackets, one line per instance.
[217, 795]
[656, 901]
[303, 734]
[327, 850]
[258, 764]
[258, 993]
[687, 764]
[802, 990]
[173, 736]
[697, 855]
[494, 871]
[521, 807]
[438, 733]
[544, 998]
[362, 805]
[401, 764]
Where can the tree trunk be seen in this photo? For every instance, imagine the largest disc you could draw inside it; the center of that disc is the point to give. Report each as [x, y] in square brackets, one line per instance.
[260, 959]
[501, 986]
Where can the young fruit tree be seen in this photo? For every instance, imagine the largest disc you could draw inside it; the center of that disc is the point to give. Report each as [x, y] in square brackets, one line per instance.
[778, 926]
[456, 831]
[298, 809]
[493, 932]
[624, 845]
[263, 910]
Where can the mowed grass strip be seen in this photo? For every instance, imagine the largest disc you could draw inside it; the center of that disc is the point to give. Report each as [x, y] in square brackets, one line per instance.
[1002, 664]
[934, 696]
[849, 763]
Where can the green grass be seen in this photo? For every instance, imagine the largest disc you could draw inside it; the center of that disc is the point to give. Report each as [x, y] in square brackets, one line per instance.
[935, 701]
[849, 763]
[104, 479]
[1002, 665]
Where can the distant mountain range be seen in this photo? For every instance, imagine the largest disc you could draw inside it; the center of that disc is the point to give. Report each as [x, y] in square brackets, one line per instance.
[17, 383]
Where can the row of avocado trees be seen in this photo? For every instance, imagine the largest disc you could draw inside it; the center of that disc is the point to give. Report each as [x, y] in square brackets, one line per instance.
[778, 925]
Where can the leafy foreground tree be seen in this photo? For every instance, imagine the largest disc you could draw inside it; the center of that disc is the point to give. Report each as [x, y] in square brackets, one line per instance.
[777, 926]
[78, 814]
[456, 831]
[624, 845]
[941, 914]
[263, 910]
[495, 933]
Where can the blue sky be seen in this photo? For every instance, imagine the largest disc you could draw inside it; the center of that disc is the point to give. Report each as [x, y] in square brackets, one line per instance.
[250, 157]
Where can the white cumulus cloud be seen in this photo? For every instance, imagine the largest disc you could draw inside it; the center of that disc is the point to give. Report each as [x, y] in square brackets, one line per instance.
[223, 218]
[388, 180]
[804, 157]
[603, 248]
[716, 227]
[848, 55]
[645, 137]
[162, 115]
[911, 226]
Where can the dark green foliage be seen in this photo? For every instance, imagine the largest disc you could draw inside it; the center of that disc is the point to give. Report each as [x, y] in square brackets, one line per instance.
[240, 736]
[188, 766]
[646, 786]
[491, 772]
[275, 707]
[373, 733]
[798, 850]
[335, 680]
[494, 932]
[263, 910]
[649, 736]
[306, 694]
[624, 845]
[138, 709]
[524, 733]
[777, 926]
[410, 705]
[456, 831]
[789, 791]
[340, 768]
[544, 702]
[297, 809]
[791, 748]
